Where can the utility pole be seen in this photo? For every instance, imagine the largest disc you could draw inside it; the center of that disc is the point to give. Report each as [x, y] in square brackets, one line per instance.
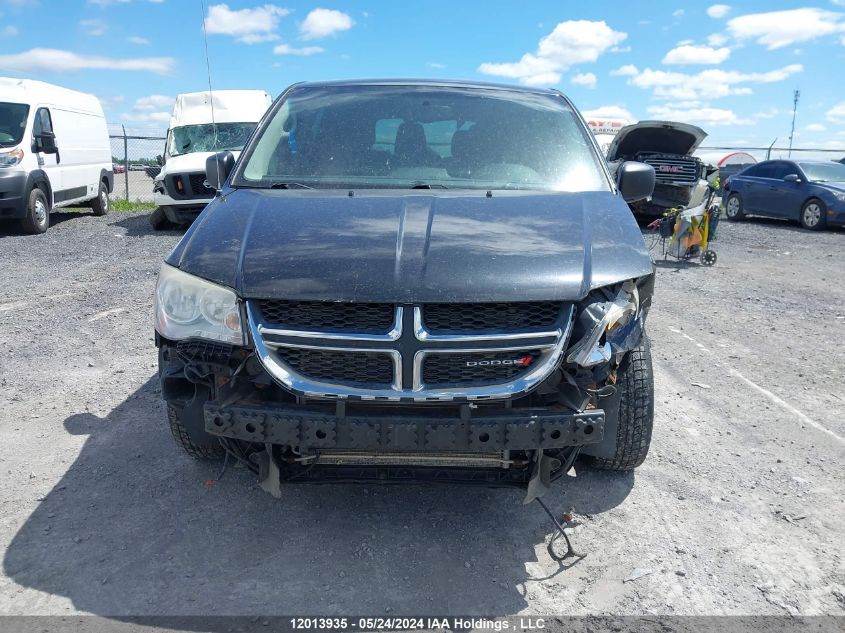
[795, 96]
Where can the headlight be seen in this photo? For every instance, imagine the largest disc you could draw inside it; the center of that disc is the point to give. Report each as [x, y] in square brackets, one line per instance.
[10, 159]
[610, 326]
[188, 307]
[839, 195]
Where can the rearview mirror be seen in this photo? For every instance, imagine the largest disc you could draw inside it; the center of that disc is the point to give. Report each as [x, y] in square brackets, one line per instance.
[792, 178]
[217, 169]
[47, 143]
[635, 180]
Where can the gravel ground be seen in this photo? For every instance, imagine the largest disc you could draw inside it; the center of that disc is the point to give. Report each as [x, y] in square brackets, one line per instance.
[738, 509]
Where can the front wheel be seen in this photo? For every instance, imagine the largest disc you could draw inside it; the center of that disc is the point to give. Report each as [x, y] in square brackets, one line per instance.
[37, 217]
[636, 411]
[733, 208]
[813, 215]
[101, 204]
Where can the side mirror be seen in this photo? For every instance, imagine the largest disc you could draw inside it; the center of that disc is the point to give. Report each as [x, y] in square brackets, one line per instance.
[635, 180]
[46, 142]
[217, 169]
[160, 160]
[792, 178]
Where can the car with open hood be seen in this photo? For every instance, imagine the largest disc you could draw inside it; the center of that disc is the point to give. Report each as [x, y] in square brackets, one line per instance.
[667, 146]
[404, 280]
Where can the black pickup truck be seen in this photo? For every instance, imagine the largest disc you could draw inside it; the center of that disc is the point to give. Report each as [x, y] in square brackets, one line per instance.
[406, 280]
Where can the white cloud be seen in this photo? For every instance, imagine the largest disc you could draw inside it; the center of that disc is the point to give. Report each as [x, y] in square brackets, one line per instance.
[588, 80]
[677, 13]
[704, 116]
[777, 29]
[837, 113]
[689, 54]
[58, 61]
[570, 43]
[136, 39]
[708, 84]
[717, 39]
[628, 70]
[150, 109]
[436, 65]
[718, 11]
[8, 31]
[815, 127]
[609, 112]
[305, 51]
[249, 26]
[94, 27]
[321, 23]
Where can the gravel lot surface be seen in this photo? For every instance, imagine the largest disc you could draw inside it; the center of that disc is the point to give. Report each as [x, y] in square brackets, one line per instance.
[739, 508]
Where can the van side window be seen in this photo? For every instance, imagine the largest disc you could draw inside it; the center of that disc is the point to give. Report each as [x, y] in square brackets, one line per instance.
[43, 122]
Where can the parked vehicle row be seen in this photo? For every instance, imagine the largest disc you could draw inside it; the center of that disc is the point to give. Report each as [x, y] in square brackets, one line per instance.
[54, 152]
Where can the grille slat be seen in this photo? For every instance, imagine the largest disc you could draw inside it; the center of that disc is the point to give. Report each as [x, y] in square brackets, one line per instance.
[345, 367]
[674, 169]
[198, 186]
[365, 318]
[494, 317]
[490, 367]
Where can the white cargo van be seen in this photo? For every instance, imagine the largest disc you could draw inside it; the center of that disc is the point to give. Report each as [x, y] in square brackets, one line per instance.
[193, 136]
[54, 152]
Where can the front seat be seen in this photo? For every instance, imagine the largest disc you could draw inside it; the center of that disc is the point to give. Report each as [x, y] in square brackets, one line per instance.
[411, 148]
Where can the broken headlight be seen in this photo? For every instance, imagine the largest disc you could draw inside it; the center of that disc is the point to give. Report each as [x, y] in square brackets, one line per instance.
[612, 325]
[189, 307]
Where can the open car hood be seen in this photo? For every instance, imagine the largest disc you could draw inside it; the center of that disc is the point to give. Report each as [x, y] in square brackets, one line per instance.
[664, 137]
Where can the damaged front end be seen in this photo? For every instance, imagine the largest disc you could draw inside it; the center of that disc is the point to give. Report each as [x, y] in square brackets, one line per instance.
[223, 393]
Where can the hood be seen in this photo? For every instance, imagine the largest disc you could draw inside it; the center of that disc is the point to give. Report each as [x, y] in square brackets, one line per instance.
[380, 247]
[664, 137]
[187, 163]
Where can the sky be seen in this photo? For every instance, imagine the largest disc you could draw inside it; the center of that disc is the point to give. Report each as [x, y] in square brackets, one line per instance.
[729, 68]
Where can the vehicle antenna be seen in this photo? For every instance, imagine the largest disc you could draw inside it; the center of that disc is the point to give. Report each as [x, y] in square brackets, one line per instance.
[210, 91]
[795, 96]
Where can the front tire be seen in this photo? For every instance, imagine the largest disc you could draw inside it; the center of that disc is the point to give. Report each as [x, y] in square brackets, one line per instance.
[636, 411]
[733, 208]
[37, 218]
[101, 204]
[195, 442]
[813, 215]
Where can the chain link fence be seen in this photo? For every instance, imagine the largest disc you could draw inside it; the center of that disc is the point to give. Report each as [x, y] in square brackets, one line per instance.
[135, 164]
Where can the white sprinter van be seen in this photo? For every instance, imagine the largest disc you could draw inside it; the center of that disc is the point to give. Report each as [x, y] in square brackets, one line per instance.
[54, 152]
[193, 136]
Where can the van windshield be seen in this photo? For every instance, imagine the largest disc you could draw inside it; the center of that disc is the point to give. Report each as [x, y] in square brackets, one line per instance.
[423, 137]
[12, 123]
[202, 138]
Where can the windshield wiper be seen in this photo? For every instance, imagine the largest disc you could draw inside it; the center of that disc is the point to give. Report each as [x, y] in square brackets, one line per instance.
[427, 185]
[289, 185]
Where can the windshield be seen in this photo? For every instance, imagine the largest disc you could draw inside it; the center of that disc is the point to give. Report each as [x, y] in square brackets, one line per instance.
[423, 136]
[824, 172]
[12, 123]
[201, 138]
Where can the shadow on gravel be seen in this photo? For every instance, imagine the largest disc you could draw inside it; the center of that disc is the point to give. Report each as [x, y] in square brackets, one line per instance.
[135, 528]
[139, 226]
[9, 228]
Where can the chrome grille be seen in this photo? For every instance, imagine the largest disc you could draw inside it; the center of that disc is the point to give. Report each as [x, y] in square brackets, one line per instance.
[348, 367]
[672, 169]
[329, 316]
[477, 367]
[321, 349]
[472, 317]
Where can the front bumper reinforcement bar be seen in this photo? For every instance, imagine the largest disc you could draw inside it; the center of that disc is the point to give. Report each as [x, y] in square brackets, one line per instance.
[295, 426]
